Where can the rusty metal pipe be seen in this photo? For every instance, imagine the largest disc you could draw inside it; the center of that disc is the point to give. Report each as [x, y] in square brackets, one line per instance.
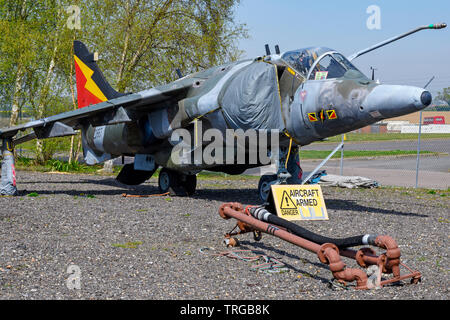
[328, 253]
[230, 212]
[363, 258]
[392, 253]
[331, 253]
[263, 214]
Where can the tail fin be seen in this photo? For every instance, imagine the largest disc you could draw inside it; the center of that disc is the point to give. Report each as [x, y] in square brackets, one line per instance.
[92, 87]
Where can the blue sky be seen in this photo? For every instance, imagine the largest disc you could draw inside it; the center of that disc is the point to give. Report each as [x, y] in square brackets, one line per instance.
[341, 25]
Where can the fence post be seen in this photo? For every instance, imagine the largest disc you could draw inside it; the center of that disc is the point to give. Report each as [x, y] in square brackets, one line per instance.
[342, 155]
[418, 150]
[418, 139]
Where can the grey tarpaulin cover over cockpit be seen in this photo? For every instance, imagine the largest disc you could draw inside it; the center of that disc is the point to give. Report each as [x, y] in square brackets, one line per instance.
[251, 99]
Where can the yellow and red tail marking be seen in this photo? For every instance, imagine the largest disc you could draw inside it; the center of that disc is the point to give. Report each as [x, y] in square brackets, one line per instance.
[88, 91]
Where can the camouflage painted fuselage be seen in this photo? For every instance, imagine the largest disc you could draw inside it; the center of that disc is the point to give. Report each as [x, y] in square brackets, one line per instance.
[262, 94]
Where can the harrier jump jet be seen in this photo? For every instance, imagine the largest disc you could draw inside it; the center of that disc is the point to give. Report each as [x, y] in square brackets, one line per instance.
[295, 98]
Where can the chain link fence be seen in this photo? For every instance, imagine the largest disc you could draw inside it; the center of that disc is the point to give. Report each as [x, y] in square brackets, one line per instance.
[389, 158]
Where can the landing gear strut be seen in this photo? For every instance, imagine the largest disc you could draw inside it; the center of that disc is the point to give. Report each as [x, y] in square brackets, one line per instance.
[292, 173]
[264, 186]
[178, 184]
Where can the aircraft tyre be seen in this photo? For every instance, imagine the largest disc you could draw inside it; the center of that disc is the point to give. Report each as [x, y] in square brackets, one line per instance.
[264, 186]
[175, 183]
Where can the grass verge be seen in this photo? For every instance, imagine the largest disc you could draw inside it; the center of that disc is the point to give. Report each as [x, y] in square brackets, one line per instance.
[386, 136]
[52, 165]
[321, 154]
[28, 164]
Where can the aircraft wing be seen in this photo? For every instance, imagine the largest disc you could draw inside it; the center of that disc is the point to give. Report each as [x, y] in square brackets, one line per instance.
[123, 109]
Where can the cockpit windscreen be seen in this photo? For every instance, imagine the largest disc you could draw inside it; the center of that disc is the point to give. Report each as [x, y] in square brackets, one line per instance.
[331, 66]
[303, 59]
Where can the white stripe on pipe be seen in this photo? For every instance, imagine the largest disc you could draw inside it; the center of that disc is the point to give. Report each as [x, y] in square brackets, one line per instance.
[365, 239]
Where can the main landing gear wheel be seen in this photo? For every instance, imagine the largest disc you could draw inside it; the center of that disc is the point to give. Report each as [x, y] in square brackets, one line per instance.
[177, 184]
[264, 186]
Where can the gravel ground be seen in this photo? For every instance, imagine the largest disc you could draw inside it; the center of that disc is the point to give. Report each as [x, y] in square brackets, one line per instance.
[148, 248]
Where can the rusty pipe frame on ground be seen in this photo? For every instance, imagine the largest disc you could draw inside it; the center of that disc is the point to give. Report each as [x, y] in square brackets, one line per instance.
[328, 253]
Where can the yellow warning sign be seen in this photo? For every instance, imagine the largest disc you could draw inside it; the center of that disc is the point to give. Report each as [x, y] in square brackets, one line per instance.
[288, 207]
[299, 202]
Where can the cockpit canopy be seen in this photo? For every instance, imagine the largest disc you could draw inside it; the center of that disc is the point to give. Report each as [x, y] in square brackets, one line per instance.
[330, 66]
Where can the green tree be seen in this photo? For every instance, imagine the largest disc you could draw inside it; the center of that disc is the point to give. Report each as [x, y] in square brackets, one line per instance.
[141, 43]
[444, 95]
[34, 46]
[17, 28]
[150, 39]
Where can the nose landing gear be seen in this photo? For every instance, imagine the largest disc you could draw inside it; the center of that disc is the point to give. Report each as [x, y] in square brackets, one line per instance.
[290, 173]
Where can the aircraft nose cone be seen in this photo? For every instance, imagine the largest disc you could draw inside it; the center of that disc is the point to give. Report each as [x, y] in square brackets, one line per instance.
[426, 98]
[393, 100]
